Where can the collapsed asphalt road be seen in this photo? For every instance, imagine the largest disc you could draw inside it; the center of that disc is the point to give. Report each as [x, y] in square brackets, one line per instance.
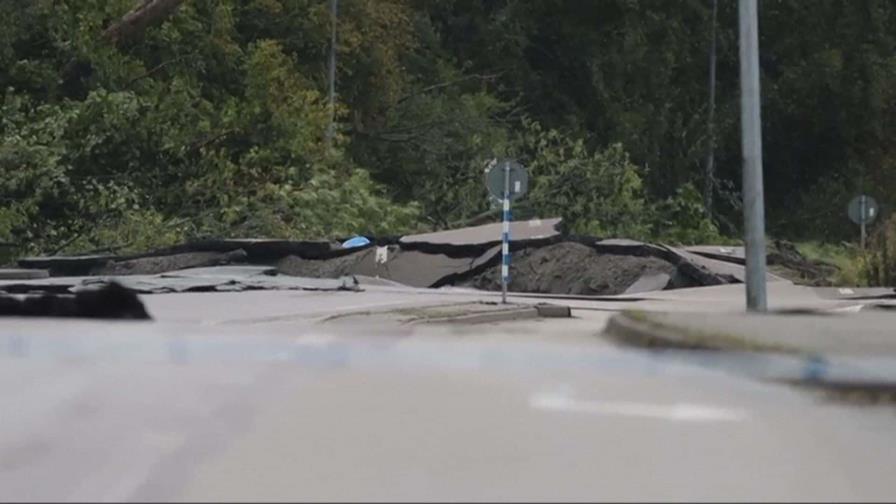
[544, 261]
[262, 380]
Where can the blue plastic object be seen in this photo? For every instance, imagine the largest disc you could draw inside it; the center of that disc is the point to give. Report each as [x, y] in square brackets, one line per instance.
[357, 241]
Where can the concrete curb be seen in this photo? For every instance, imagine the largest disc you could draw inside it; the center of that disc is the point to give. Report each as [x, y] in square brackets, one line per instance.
[638, 329]
[521, 313]
[496, 313]
[850, 379]
[541, 310]
[23, 274]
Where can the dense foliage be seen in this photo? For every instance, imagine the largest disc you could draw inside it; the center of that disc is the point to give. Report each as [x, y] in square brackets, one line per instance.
[212, 121]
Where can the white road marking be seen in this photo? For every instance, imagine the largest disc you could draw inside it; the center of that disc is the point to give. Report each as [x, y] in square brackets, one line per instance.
[680, 412]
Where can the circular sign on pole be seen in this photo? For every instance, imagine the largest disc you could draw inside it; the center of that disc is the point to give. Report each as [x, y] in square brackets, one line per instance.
[494, 178]
[862, 209]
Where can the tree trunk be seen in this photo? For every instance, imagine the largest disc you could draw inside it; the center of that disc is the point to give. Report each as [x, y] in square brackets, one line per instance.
[709, 175]
[132, 25]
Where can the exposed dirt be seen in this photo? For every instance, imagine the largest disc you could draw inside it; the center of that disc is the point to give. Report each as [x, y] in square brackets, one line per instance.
[321, 268]
[572, 268]
[161, 264]
[786, 261]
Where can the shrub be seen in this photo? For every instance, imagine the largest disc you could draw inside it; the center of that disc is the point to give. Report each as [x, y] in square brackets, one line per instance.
[879, 261]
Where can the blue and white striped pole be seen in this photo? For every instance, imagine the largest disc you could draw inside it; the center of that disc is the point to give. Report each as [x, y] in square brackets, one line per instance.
[505, 236]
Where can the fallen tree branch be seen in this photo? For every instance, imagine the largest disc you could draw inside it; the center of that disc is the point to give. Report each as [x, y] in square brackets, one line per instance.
[199, 144]
[132, 25]
[66, 243]
[153, 70]
[440, 85]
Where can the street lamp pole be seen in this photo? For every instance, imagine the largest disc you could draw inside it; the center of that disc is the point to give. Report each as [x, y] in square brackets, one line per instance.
[332, 73]
[751, 136]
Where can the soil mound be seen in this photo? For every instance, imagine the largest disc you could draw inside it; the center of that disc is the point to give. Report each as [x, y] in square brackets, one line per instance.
[573, 268]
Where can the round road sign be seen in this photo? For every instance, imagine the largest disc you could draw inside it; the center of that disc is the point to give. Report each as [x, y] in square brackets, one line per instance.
[494, 178]
[862, 209]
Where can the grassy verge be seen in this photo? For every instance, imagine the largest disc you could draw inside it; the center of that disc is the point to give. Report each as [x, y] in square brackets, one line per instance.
[847, 258]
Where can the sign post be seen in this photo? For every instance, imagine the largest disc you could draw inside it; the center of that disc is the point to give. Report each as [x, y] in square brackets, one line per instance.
[506, 180]
[862, 210]
[864, 207]
[505, 235]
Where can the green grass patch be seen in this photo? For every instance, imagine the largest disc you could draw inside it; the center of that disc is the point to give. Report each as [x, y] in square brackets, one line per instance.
[847, 258]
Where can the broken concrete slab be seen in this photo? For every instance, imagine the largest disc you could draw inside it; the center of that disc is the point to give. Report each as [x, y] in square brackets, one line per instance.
[171, 262]
[649, 283]
[688, 274]
[624, 246]
[322, 268]
[281, 282]
[260, 250]
[225, 283]
[407, 267]
[22, 274]
[447, 258]
[783, 258]
[381, 282]
[233, 271]
[66, 265]
[479, 237]
[222, 278]
[419, 269]
[734, 254]
[720, 268]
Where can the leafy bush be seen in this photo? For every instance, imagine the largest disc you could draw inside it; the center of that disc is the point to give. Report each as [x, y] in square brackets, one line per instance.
[597, 193]
[601, 192]
[879, 261]
[849, 260]
[324, 206]
[682, 220]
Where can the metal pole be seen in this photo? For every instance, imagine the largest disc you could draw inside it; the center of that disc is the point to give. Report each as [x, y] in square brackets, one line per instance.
[751, 135]
[505, 236]
[332, 73]
[863, 209]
